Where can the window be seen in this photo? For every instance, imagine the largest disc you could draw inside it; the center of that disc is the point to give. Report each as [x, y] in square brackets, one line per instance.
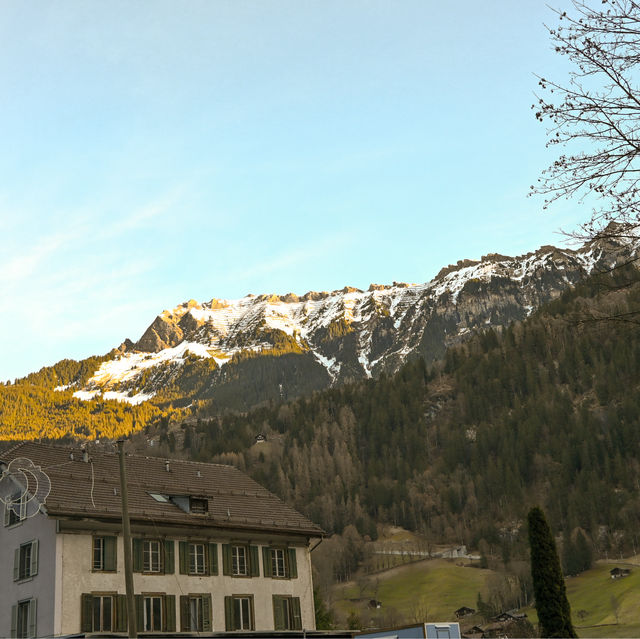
[103, 612]
[104, 554]
[198, 558]
[239, 612]
[15, 511]
[153, 556]
[152, 613]
[25, 562]
[23, 619]
[279, 563]
[198, 505]
[155, 612]
[195, 613]
[239, 560]
[286, 613]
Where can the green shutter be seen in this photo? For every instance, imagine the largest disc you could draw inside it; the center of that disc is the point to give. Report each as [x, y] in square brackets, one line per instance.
[137, 555]
[229, 621]
[110, 556]
[267, 568]
[121, 613]
[16, 564]
[293, 564]
[170, 613]
[213, 559]
[254, 561]
[183, 557]
[169, 557]
[207, 608]
[226, 559]
[296, 616]
[279, 619]
[33, 569]
[139, 613]
[14, 620]
[86, 608]
[184, 613]
[33, 617]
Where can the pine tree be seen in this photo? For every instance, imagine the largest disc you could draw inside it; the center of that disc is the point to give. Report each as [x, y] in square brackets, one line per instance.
[552, 604]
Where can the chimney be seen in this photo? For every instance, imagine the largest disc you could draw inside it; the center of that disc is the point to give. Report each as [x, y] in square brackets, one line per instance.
[85, 456]
[166, 466]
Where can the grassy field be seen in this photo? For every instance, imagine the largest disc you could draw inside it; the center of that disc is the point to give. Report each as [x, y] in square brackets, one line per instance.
[595, 598]
[434, 589]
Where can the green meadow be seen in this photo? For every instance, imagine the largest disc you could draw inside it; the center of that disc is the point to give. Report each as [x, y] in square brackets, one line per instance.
[434, 589]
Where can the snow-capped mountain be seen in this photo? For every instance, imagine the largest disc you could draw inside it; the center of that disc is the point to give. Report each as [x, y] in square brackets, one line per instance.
[241, 352]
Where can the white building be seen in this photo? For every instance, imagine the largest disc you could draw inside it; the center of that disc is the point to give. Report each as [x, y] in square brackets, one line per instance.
[212, 549]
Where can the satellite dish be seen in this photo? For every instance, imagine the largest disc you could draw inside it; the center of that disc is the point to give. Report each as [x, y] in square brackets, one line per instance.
[24, 487]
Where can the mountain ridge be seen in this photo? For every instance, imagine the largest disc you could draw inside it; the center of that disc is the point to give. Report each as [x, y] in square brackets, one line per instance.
[239, 353]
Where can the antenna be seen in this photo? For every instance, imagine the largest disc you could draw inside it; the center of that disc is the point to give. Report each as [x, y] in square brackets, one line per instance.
[24, 487]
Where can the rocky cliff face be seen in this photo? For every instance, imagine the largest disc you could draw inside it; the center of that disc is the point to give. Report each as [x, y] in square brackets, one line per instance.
[242, 352]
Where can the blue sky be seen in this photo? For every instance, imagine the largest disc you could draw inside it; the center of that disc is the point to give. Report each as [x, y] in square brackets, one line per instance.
[158, 151]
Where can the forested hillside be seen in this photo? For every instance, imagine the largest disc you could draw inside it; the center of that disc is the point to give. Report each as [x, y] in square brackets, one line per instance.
[547, 412]
[31, 408]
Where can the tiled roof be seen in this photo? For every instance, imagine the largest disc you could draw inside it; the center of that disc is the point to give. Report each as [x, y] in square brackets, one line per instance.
[92, 489]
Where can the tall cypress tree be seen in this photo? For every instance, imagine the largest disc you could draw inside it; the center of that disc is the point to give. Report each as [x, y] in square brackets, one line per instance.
[552, 604]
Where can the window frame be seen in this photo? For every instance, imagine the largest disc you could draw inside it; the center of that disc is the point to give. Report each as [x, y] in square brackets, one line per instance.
[149, 543]
[11, 518]
[108, 553]
[231, 620]
[289, 562]
[289, 616]
[25, 561]
[192, 566]
[235, 572]
[150, 597]
[99, 597]
[24, 624]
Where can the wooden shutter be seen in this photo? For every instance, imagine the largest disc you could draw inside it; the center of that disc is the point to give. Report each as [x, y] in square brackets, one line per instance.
[137, 554]
[170, 613]
[280, 620]
[296, 615]
[229, 621]
[183, 557]
[16, 564]
[185, 618]
[254, 561]
[33, 617]
[207, 616]
[267, 568]
[14, 620]
[293, 564]
[226, 559]
[213, 559]
[121, 613]
[139, 613]
[33, 569]
[86, 609]
[110, 556]
[169, 557]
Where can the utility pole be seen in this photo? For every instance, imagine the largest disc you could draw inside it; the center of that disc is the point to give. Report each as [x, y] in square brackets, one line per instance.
[126, 533]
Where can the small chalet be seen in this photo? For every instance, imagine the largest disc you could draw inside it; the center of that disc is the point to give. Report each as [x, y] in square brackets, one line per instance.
[212, 549]
[618, 573]
[464, 611]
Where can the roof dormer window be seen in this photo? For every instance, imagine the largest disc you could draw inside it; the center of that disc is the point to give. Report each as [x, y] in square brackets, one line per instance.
[198, 505]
